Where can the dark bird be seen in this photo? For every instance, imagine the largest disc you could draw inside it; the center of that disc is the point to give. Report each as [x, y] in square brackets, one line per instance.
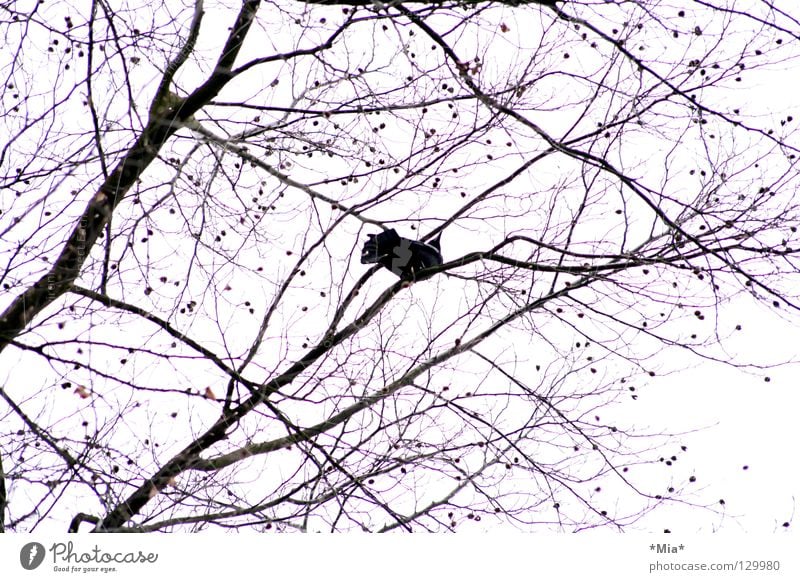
[403, 257]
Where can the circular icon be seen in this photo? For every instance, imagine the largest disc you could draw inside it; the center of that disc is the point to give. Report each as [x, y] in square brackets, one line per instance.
[31, 555]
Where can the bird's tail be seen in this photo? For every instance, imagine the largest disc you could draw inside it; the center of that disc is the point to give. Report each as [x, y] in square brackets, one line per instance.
[379, 246]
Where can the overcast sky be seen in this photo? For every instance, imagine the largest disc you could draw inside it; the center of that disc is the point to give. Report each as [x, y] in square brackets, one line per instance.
[738, 430]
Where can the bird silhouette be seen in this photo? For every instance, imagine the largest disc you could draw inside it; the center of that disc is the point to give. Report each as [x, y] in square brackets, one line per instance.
[402, 256]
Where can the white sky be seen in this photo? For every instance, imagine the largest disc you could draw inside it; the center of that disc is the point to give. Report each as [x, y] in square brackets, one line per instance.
[730, 419]
[743, 421]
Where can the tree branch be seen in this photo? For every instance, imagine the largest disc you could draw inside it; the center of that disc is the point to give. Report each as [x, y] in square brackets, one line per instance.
[429, 2]
[3, 498]
[165, 119]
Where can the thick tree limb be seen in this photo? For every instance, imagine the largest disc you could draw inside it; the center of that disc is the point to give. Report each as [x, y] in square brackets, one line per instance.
[2, 496]
[167, 114]
[189, 455]
[79, 519]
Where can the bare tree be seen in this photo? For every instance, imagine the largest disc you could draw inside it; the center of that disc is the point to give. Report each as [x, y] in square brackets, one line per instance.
[188, 340]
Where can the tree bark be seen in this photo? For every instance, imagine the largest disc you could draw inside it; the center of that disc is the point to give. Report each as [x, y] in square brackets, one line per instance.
[167, 115]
